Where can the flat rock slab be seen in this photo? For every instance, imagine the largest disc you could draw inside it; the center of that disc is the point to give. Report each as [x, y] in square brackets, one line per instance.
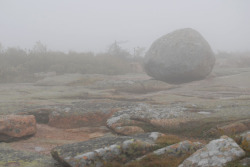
[156, 115]
[215, 154]
[48, 137]
[10, 157]
[86, 113]
[14, 127]
[95, 152]
[133, 86]
[59, 80]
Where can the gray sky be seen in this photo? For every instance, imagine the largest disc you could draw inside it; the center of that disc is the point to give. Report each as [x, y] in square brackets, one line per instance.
[92, 25]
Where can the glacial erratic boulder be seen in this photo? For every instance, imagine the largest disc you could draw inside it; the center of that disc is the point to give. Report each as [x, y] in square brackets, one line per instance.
[215, 154]
[179, 57]
[13, 127]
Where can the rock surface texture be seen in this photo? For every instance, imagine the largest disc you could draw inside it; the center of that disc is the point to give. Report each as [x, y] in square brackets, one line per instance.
[179, 148]
[245, 141]
[125, 121]
[179, 57]
[215, 154]
[105, 149]
[14, 127]
[88, 113]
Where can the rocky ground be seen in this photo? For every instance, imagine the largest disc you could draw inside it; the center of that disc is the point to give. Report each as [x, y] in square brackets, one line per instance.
[70, 110]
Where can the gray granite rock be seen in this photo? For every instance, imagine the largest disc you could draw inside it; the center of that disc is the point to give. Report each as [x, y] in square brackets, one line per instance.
[97, 151]
[178, 57]
[215, 154]
[179, 148]
[156, 115]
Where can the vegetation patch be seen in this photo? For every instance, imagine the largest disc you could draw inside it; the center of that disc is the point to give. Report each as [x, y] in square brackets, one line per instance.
[244, 144]
[234, 164]
[18, 65]
[202, 129]
[167, 140]
[152, 161]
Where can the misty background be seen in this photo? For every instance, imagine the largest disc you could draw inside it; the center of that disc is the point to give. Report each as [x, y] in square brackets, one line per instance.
[83, 26]
[45, 38]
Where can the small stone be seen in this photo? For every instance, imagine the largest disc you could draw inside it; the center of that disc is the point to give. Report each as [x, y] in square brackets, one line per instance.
[13, 127]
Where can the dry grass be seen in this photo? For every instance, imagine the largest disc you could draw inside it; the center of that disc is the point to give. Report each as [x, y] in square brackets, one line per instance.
[245, 145]
[234, 164]
[167, 140]
[152, 161]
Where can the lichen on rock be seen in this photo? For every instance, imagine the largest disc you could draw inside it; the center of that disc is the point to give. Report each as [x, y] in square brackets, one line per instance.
[215, 154]
[97, 151]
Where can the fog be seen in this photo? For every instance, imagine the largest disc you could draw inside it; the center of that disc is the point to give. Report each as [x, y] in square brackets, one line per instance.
[82, 25]
[81, 83]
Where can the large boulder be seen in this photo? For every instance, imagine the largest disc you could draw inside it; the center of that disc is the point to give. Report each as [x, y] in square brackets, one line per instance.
[215, 154]
[179, 57]
[13, 127]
